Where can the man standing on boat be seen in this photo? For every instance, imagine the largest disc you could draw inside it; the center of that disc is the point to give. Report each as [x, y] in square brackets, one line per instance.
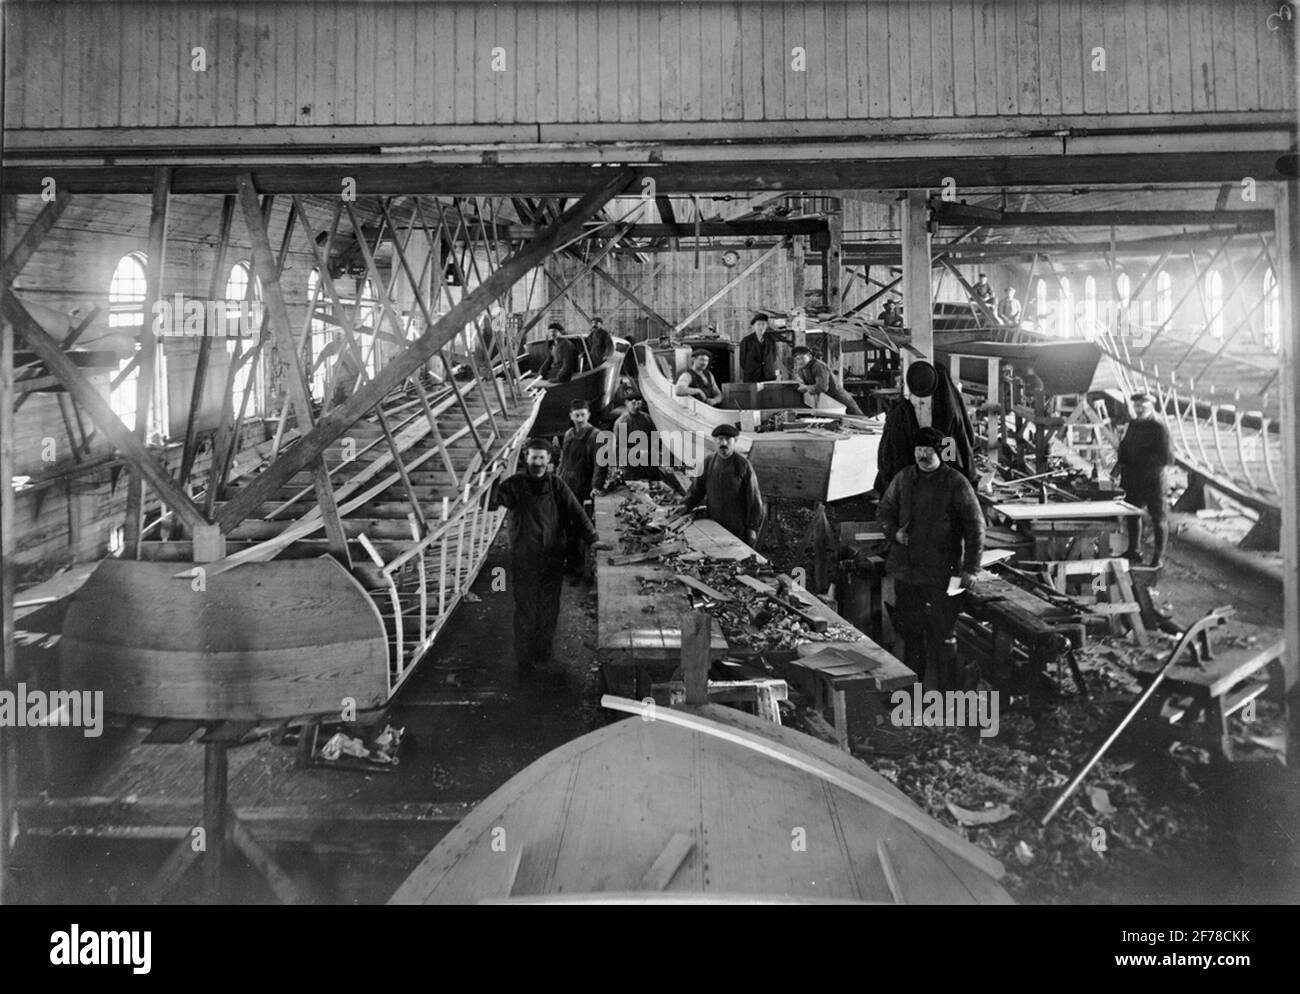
[697, 381]
[983, 291]
[815, 378]
[1010, 309]
[935, 527]
[1144, 452]
[728, 488]
[582, 472]
[758, 352]
[543, 512]
[562, 363]
[600, 343]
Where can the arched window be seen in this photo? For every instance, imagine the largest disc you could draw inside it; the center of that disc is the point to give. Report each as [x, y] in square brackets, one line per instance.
[238, 289]
[1164, 297]
[1090, 306]
[1272, 311]
[126, 293]
[1216, 304]
[1065, 309]
[1124, 288]
[320, 334]
[1040, 304]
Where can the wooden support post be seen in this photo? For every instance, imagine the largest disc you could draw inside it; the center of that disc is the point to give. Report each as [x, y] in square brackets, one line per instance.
[832, 278]
[919, 311]
[149, 346]
[215, 287]
[798, 274]
[420, 350]
[1286, 224]
[215, 771]
[268, 270]
[8, 545]
[697, 631]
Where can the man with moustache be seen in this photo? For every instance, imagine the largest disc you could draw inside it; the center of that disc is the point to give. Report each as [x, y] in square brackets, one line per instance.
[758, 352]
[728, 488]
[562, 363]
[935, 528]
[815, 378]
[582, 471]
[542, 513]
[697, 381]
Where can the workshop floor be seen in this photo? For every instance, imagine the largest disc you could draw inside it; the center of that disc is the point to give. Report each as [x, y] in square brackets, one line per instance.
[475, 723]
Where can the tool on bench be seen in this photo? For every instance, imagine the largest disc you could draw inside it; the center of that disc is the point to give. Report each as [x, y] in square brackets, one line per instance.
[1197, 638]
[784, 583]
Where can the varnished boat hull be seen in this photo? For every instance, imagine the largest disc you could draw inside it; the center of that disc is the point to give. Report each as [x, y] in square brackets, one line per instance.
[264, 640]
[596, 819]
[805, 465]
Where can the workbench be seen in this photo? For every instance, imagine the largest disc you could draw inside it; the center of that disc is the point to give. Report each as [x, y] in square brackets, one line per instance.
[639, 634]
[1065, 529]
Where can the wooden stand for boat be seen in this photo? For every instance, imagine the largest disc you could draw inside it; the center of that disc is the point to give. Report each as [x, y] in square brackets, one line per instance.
[221, 827]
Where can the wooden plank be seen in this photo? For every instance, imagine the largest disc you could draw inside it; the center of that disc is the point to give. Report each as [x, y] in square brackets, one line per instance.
[856, 58]
[776, 61]
[588, 76]
[1066, 510]
[1136, 58]
[900, 66]
[703, 588]
[651, 70]
[1049, 58]
[811, 35]
[629, 63]
[1160, 78]
[1075, 58]
[1225, 56]
[1116, 74]
[941, 57]
[668, 862]
[697, 628]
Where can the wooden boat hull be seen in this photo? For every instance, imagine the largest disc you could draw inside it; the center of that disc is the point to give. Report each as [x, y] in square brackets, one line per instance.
[1064, 366]
[598, 387]
[598, 818]
[806, 464]
[265, 640]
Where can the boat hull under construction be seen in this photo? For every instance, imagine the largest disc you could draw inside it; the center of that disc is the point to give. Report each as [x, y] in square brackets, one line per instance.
[697, 806]
[818, 462]
[279, 627]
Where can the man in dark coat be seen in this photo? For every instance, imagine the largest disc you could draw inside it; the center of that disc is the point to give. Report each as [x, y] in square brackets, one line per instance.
[728, 488]
[758, 353]
[983, 291]
[562, 363]
[935, 528]
[633, 442]
[1144, 452]
[583, 472]
[891, 316]
[815, 378]
[600, 343]
[543, 511]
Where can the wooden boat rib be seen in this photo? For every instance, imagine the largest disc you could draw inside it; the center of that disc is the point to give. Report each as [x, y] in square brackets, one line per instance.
[813, 463]
[279, 628]
[647, 810]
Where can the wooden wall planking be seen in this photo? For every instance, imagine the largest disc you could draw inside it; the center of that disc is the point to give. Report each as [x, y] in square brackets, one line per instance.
[126, 63]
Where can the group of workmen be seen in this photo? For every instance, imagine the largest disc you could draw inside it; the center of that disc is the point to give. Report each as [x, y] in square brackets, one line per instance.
[929, 513]
[563, 361]
[759, 363]
[1007, 309]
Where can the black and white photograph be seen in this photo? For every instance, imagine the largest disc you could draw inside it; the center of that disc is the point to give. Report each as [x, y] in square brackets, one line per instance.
[593, 453]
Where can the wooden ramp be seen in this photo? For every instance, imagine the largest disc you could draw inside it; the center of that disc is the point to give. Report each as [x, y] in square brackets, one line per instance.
[648, 808]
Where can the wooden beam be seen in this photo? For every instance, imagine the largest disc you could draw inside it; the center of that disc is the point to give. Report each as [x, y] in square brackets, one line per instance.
[832, 258]
[1287, 210]
[215, 287]
[337, 421]
[133, 451]
[954, 215]
[919, 312]
[149, 346]
[268, 271]
[730, 285]
[32, 238]
[631, 296]
[8, 547]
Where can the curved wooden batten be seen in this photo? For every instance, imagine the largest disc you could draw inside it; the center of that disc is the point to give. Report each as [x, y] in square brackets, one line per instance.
[265, 640]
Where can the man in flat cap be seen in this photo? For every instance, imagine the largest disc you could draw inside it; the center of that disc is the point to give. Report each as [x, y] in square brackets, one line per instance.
[562, 363]
[935, 528]
[600, 343]
[697, 381]
[582, 472]
[1144, 453]
[815, 378]
[728, 488]
[983, 291]
[759, 360]
[542, 513]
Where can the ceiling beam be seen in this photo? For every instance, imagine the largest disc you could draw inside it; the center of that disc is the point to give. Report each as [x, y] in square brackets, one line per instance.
[960, 215]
